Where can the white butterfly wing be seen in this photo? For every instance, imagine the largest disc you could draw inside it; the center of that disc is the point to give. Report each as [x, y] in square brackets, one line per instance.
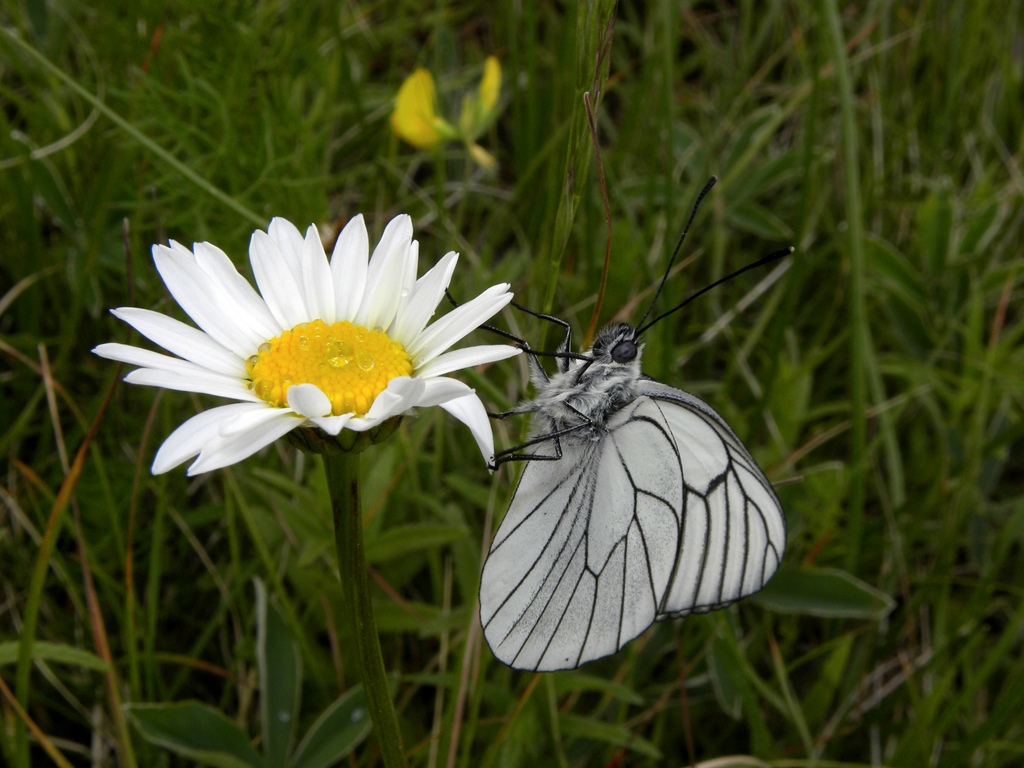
[664, 515]
[734, 529]
[569, 575]
[535, 562]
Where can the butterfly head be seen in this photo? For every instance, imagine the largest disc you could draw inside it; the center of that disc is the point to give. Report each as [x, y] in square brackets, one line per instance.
[617, 344]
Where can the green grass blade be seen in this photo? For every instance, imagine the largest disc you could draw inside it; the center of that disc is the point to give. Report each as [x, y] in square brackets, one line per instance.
[860, 334]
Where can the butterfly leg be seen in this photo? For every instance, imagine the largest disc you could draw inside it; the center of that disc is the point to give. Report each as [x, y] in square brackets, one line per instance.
[563, 354]
[514, 453]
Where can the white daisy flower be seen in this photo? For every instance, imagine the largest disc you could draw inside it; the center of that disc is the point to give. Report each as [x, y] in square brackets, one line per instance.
[337, 345]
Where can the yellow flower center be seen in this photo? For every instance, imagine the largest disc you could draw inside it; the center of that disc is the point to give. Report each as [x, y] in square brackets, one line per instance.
[349, 363]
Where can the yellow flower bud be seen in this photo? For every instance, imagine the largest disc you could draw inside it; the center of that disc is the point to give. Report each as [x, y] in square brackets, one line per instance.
[415, 117]
[490, 86]
[481, 156]
[479, 109]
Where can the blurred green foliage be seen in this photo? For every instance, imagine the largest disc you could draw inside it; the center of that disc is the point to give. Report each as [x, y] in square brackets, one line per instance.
[283, 108]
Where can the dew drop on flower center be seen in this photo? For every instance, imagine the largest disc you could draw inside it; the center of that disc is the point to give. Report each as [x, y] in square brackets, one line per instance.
[349, 363]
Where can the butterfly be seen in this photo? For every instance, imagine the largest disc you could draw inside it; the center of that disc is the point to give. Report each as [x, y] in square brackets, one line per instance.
[638, 503]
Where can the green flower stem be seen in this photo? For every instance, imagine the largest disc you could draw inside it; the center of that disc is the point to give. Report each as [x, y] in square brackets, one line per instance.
[343, 482]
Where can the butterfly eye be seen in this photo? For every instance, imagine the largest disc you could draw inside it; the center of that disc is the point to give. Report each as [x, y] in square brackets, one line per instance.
[624, 351]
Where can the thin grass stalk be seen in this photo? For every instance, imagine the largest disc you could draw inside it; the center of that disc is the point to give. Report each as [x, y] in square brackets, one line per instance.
[472, 666]
[153, 589]
[595, 21]
[23, 670]
[343, 484]
[442, 668]
[270, 566]
[667, 64]
[111, 680]
[42, 738]
[33, 602]
[470, 649]
[859, 332]
[794, 710]
[131, 641]
[553, 720]
[494, 748]
[588, 336]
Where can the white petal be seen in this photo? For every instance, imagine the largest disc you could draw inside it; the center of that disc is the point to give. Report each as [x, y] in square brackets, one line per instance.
[467, 357]
[177, 247]
[470, 411]
[318, 283]
[422, 303]
[385, 274]
[348, 268]
[409, 278]
[332, 425]
[250, 306]
[441, 390]
[188, 439]
[147, 358]
[309, 400]
[261, 428]
[192, 289]
[461, 321]
[289, 241]
[125, 353]
[235, 427]
[202, 382]
[277, 282]
[401, 394]
[285, 234]
[183, 340]
[397, 237]
[172, 373]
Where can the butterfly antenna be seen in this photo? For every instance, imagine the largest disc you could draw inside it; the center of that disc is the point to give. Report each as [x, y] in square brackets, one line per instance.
[664, 278]
[759, 263]
[520, 342]
[564, 354]
[592, 327]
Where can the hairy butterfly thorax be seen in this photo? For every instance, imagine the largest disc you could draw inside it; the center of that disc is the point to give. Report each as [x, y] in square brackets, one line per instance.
[588, 389]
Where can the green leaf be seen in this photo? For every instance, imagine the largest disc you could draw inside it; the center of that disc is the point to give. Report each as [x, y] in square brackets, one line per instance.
[53, 192]
[981, 226]
[791, 397]
[609, 733]
[748, 145]
[58, 652]
[403, 540]
[934, 228]
[721, 672]
[823, 592]
[468, 489]
[280, 671]
[195, 731]
[424, 619]
[909, 325]
[758, 220]
[899, 275]
[339, 730]
[570, 682]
